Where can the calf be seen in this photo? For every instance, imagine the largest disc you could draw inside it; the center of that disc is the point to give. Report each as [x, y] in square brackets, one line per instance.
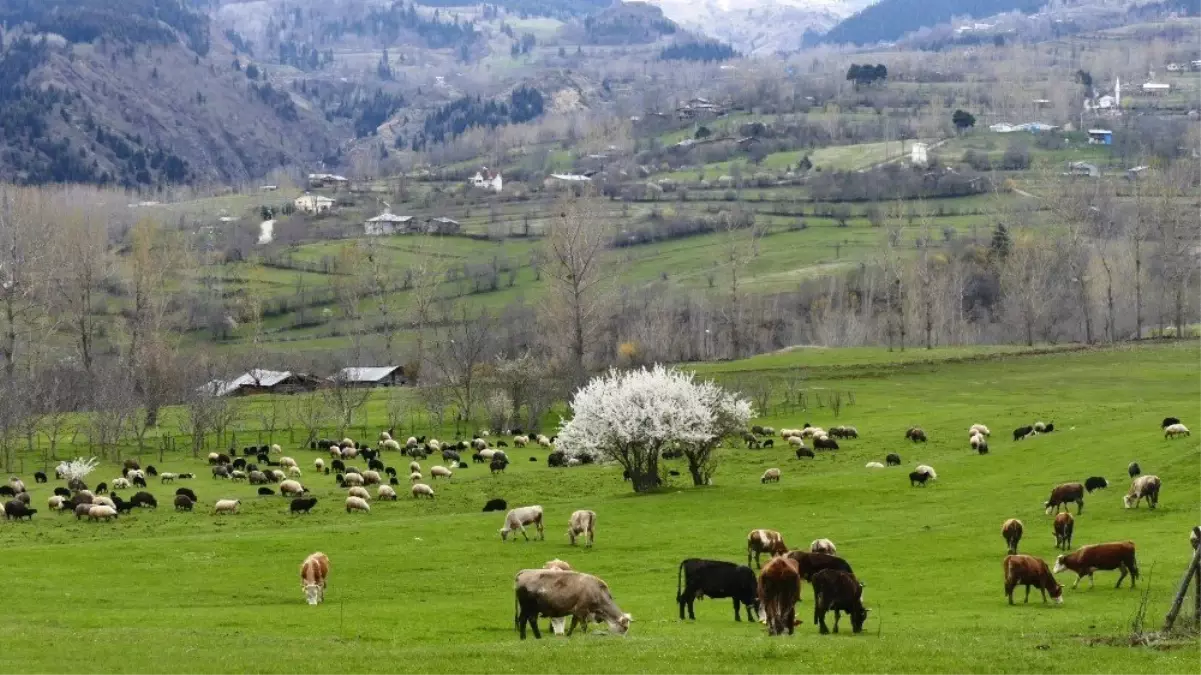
[1143, 487]
[1095, 483]
[717, 579]
[313, 572]
[559, 593]
[764, 541]
[1088, 559]
[779, 591]
[582, 522]
[1064, 524]
[1011, 530]
[841, 592]
[1065, 494]
[1030, 571]
[518, 518]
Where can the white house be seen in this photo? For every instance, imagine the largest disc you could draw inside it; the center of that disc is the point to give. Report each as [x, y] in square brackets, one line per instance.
[310, 203]
[386, 223]
[919, 154]
[1156, 87]
[487, 180]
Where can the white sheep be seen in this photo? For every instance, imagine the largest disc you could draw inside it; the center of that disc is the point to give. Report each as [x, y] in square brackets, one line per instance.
[520, 441]
[928, 470]
[1040, 427]
[1174, 430]
[411, 443]
[391, 445]
[386, 492]
[347, 443]
[979, 429]
[796, 441]
[976, 441]
[440, 472]
[384, 436]
[435, 445]
[319, 464]
[226, 506]
[291, 487]
[294, 472]
[102, 512]
[479, 444]
[335, 452]
[371, 478]
[357, 504]
[56, 502]
[133, 475]
[278, 475]
[276, 449]
[421, 489]
[286, 462]
[350, 453]
[213, 457]
[823, 546]
[415, 476]
[574, 461]
[167, 477]
[769, 431]
[359, 492]
[120, 484]
[103, 501]
[770, 476]
[875, 465]
[352, 479]
[487, 455]
[237, 474]
[543, 441]
[414, 467]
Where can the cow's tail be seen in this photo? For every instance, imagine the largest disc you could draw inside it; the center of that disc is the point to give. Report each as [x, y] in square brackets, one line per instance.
[679, 582]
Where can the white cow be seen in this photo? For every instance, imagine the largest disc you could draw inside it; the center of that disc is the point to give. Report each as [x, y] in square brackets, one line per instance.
[518, 518]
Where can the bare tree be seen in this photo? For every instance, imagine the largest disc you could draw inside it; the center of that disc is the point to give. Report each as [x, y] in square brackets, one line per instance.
[310, 413]
[83, 263]
[574, 251]
[1025, 276]
[344, 398]
[466, 340]
[25, 248]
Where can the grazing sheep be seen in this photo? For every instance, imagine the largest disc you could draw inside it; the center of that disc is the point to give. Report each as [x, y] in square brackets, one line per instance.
[357, 504]
[543, 441]
[1040, 427]
[359, 492]
[102, 512]
[276, 449]
[893, 459]
[918, 478]
[824, 442]
[823, 546]
[286, 462]
[81, 510]
[520, 441]
[874, 465]
[188, 492]
[1169, 421]
[236, 475]
[266, 492]
[813, 432]
[440, 472]
[415, 476]
[182, 503]
[384, 436]
[979, 429]
[167, 477]
[56, 502]
[804, 452]
[391, 444]
[294, 472]
[121, 484]
[1175, 431]
[796, 441]
[371, 478]
[103, 501]
[352, 479]
[221, 471]
[414, 467]
[770, 476]
[982, 446]
[1095, 483]
[385, 492]
[422, 490]
[916, 435]
[347, 443]
[291, 488]
[227, 506]
[928, 470]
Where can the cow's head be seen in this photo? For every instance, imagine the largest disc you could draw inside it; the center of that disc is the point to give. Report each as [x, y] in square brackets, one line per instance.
[858, 616]
[312, 593]
[621, 624]
[778, 547]
[504, 533]
[1059, 566]
[1128, 500]
[1047, 505]
[1056, 592]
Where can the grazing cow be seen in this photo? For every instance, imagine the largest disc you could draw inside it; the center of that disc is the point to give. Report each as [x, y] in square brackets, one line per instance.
[1143, 487]
[1169, 421]
[1011, 531]
[1065, 494]
[1023, 432]
[823, 546]
[182, 503]
[1088, 559]
[839, 591]
[915, 434]
[495, 505]
[717, 579]
[1064, 524]
[582, 522]
[1095, 483]
[810, 563]
[518, 518]
[770, 476]
[1175, 431]
[313, 572]
[918, 477]
[764, 541]
[893, 459]
[804, 452]
[1133, 469]
[1030, 571]
[302, 505]
[558, 593]
[779, 591]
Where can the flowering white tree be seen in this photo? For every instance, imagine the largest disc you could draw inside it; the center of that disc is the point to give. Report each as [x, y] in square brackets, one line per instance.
[76, 469]
[631, 417]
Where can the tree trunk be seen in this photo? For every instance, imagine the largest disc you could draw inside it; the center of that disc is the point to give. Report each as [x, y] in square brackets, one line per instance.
[1138, 292]
[1084, 307]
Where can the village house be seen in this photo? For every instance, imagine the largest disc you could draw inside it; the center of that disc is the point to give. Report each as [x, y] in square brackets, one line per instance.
[259, 381]
[387, 223]
[442, 225]
[310, 203]
[1156, 87]
[385, 376]
[487, 180]
[320, 180]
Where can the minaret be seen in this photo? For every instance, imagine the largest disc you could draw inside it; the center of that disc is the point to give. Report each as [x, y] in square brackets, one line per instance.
[1117, 92]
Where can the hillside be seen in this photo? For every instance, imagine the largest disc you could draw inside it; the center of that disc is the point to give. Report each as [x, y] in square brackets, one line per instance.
[759, 27]
[889, 20]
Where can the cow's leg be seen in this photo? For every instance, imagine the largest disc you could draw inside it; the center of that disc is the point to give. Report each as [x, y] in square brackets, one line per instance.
[1044, 595]
[837, 616]
[1090, 579]
[527, 537]
[521, 620]
[533, 619]
[1027, 600]
[736, 616]
[571, 536]
[1009, 591]
[790, 618]
[1122, 575]
[1079, 506]
[1078, 578]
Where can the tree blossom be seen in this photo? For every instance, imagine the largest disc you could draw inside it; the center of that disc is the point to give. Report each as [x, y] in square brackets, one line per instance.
[77, 468]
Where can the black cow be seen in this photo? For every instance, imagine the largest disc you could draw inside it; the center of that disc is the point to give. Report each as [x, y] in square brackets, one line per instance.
[918, 477]
[717, 579]
[266, 492]
[496, 505]
[804, 452]
[810, 563]
[893, 459]
[144, 499]
[39, 477]
[101, 488]
[1022, 432]
[187, 492]
[825, 443]
[1169, 421]
[841, 592]
[302, 504]
[17, 509]
[1095, 483]
[1133, 469]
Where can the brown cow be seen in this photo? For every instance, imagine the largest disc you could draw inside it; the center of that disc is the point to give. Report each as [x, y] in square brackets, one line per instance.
[1030, 571]
[841, 592]
[810, 563]
[1089, 559]
[764, 541]
[1066, 494]
[1011, 531]
[558, 593]
[779, 591]
[313, 572]
[1064, 524]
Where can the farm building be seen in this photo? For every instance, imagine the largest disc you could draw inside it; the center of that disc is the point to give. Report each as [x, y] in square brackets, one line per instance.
[1083, 169]
[919, 154]
[261, 381]
[313, 203]
[1100, 137]
[1156, 87]
[487, 180]
[386, 223]
[318, 180]
[442, 225]
[386, 376]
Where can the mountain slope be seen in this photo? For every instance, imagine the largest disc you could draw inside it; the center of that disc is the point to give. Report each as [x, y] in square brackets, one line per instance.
[889, 20]
[759, 26]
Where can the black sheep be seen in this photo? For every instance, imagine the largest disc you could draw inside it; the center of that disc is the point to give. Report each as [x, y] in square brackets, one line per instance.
[302, 504]
[187, 492]
[804, 452]
[982, 448]
[462, 464]
[101, 488]
[262, 459]
[1133, 469]
[393, 480]
[39, 477]
[825, 443]
[496, 505]
[144, 499]
[1022, 432]
[501, 444]
[1049, 428]
[498, 465]
[185, 476]
[240, 463]
[769, 443]
[556, 458]
[1169, 421]
[1095, 483]
[477, 458]
[123, 506]
[18, 510]
[7, 491]
[266, 492]
[918, 477]
[182, 503]
[533, 459]
[62, 492]
[375, 465]
[138, 481]
[390, 471]
[151, 471]
[893, 459]
[338, 466]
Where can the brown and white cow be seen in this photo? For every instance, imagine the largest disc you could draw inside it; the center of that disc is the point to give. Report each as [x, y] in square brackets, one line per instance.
[313, 572]
[1065, 494]
[582, 523]
[1030, 571]
[1011, 530]
[559, 593]
[1089, 559]
[1143, 487]
[764, 541]
[779, 591]
[518, 518]
[1064, 524]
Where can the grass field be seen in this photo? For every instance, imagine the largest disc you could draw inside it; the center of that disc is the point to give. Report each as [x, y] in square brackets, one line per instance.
[427, 586]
